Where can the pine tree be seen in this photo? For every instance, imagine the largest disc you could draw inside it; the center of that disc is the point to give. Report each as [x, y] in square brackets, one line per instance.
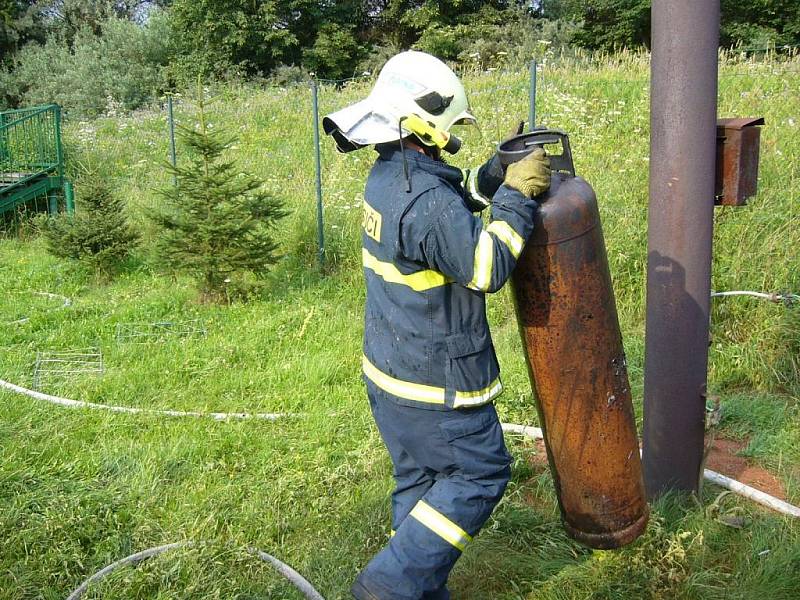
[98, 233]
[216, 221]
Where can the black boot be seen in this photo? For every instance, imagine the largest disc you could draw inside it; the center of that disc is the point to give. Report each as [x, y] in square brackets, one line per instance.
[360, 592]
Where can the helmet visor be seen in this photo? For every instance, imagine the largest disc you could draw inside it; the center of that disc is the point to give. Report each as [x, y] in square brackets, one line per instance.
[362, 125]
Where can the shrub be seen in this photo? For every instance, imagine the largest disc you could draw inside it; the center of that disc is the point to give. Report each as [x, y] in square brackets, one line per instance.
[98, 233]
[289, 75]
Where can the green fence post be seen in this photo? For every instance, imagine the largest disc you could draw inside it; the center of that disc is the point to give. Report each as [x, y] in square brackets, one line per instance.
[59, 147]
[320, 234]
[532, 98]
[69, 196]
[3, 142]
[172, 153]
[52, 203]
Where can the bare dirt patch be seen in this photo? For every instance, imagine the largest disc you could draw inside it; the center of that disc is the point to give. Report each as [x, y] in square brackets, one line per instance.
[539, 460]
[723, 458]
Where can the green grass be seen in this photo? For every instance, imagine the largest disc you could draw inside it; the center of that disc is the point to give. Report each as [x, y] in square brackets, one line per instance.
[80, 489]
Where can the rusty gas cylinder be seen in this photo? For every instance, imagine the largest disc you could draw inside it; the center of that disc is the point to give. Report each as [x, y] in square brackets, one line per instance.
[570, 332]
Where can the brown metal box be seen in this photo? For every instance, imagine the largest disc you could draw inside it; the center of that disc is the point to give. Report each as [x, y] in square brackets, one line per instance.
[738, 142]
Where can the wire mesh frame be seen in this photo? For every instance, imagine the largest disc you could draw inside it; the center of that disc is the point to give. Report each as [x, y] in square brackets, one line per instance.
[62, 365]
[141, 333]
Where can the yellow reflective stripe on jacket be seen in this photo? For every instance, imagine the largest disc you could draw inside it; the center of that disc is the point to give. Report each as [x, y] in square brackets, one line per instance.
[428, 393]
[440, 525]
[400, 388]
[480, 396]
[472, 183]
[419, 281]
[484, 258]
[508, 236]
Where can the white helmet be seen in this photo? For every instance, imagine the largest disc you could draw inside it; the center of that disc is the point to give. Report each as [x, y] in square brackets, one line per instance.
[410, 83]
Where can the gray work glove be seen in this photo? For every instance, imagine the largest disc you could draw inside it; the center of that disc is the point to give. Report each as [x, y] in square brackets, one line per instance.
[531, 175]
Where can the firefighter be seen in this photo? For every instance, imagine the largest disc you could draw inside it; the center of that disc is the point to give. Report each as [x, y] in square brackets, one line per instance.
[428, 361]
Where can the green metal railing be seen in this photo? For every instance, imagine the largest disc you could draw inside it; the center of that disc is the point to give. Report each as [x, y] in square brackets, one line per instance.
[31, 157]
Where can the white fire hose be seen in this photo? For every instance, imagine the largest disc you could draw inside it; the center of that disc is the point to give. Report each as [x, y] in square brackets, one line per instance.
[526, 430]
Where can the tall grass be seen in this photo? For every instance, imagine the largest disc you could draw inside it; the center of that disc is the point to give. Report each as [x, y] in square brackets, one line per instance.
[80, 489]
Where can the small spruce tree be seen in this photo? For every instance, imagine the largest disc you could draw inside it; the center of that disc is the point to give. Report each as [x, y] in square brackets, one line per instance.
[216, 222]
[98, 234]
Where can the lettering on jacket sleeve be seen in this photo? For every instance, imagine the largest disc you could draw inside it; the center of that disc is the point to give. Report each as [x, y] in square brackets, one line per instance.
[372, 222]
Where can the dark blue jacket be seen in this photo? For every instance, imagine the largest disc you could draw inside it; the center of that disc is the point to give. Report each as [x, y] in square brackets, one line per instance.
[428, 263]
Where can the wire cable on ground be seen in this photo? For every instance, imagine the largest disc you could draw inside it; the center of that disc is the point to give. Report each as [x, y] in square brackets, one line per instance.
[66, 302]
[344, 80]
[787, 299]
[297, 580]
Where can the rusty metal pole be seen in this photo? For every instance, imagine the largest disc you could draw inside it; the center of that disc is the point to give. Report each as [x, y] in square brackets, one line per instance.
[683, 112]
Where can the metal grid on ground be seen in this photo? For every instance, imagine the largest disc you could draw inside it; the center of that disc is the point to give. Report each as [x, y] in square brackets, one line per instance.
[58, 366]
[148, 332]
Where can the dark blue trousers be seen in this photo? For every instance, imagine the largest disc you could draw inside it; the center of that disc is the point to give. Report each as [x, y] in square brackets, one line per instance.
[451, 469]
